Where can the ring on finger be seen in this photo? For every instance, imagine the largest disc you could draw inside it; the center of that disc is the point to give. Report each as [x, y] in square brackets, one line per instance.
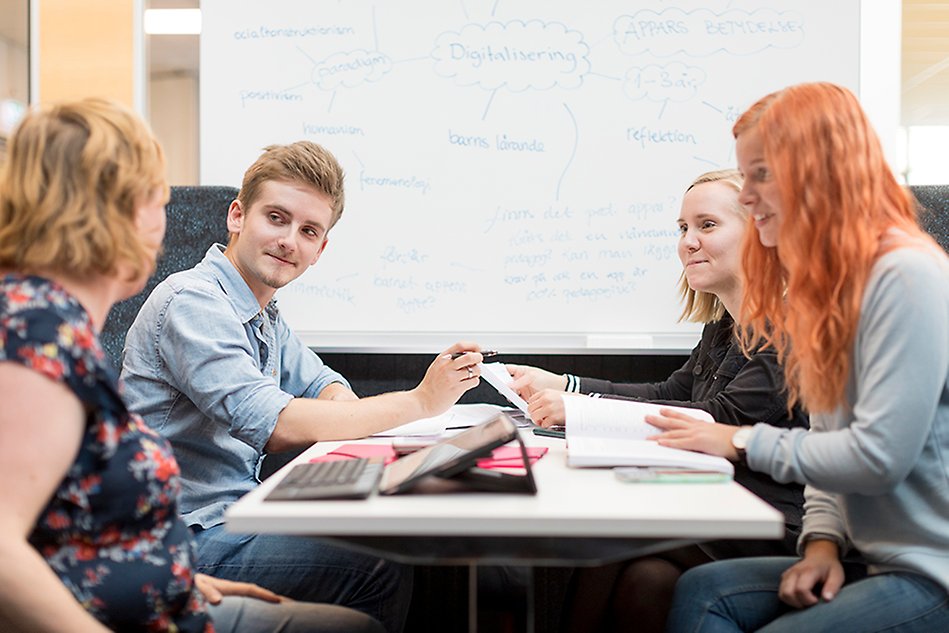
[470, 373]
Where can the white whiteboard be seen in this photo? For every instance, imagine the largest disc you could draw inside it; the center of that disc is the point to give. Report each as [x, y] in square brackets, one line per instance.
[514, 169]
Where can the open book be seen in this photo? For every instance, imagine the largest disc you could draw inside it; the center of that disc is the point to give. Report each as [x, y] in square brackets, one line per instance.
[607, 432]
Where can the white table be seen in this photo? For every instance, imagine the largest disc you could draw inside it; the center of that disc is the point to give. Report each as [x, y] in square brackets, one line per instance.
[578, 517]
[570, 503]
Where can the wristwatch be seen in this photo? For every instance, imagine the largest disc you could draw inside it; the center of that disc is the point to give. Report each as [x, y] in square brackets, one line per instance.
[740, 443]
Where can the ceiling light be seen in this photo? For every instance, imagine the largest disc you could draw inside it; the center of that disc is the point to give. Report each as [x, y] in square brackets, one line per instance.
[172, 21]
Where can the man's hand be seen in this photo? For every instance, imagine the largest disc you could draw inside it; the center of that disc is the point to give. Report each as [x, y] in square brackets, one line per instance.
[213, 589]
[820, 566]
[680, 430]
[448, 378]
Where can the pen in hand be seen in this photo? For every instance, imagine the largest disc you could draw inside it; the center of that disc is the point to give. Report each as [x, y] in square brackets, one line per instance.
[486, 354]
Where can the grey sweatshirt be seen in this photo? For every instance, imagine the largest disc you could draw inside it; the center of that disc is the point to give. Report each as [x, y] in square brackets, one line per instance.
[877, 468]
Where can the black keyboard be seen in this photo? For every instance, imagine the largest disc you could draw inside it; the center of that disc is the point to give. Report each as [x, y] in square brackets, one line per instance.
[342, 479]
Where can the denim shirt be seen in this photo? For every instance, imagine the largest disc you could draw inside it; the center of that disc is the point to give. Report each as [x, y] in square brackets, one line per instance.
[211, 371]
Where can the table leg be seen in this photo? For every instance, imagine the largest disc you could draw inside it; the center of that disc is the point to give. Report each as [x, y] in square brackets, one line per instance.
[531, 608]
[473, 598]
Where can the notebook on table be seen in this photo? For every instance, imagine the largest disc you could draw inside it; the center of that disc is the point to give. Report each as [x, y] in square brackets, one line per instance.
[454, 458]
[507, 457]
[604, 432]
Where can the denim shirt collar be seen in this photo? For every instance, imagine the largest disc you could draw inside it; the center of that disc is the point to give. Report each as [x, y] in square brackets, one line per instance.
[237, 291]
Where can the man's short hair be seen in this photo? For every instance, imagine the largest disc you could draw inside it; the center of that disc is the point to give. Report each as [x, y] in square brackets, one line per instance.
[303, 163]
[70, 187]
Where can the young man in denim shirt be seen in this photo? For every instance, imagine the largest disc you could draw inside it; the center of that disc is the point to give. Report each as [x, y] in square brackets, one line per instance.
[210, 363]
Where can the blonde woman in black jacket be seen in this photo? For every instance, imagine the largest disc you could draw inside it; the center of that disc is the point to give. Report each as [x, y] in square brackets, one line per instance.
[736, 389]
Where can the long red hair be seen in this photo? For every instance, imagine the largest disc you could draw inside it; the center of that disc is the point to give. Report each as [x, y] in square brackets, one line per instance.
[838, 200]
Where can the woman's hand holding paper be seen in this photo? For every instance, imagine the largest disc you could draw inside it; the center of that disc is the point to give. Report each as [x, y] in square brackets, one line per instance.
[531, 380]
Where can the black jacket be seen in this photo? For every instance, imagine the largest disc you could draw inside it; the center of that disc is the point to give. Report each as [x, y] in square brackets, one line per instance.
[735, 390]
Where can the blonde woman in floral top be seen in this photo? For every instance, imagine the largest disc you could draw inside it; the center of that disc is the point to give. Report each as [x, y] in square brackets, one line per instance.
[89, 534]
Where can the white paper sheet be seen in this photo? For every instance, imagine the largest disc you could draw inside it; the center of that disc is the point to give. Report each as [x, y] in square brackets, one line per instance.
[460, 415]
[497, 376]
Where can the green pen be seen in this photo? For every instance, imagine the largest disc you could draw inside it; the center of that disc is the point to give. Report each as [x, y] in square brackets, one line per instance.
[554, 431]
[653, 475]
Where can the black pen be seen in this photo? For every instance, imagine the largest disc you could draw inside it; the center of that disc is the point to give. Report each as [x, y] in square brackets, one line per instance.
[486, 354]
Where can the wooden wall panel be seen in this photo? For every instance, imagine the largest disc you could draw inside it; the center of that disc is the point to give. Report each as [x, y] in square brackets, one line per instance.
[87, 49]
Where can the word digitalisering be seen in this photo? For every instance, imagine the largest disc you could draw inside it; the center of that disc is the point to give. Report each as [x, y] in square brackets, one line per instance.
[508, 54]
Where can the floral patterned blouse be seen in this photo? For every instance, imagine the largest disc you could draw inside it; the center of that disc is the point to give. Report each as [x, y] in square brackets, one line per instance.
[111, 531]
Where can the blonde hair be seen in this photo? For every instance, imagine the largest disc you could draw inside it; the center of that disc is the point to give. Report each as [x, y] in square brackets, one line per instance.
[699, 306]
[302, 162]
[838, 198]
[69, 189]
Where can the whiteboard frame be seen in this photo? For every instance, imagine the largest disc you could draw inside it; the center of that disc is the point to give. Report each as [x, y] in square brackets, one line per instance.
[565, 343]
[879, 90]
[880, 63]
[33, 54]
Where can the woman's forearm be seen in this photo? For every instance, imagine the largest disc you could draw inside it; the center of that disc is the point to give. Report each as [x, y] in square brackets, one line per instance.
[32, 598]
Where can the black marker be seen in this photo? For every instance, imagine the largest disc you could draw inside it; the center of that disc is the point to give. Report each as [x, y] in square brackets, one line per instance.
[486, 354]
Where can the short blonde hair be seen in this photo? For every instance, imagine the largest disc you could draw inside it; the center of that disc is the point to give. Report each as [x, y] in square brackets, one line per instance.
[304, 163]
[704, 307]
[70, 186]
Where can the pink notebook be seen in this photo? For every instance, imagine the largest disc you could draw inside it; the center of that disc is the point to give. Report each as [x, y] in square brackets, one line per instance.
[502, 457]
[510, 457]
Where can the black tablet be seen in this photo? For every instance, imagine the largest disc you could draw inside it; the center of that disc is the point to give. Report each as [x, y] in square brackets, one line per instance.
[457, 455]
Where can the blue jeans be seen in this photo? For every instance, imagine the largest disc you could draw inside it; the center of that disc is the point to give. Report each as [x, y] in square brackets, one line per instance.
[742, 595]
[310, 570]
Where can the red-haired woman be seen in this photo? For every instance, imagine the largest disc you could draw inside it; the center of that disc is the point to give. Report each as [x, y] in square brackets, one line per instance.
[855, 298]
